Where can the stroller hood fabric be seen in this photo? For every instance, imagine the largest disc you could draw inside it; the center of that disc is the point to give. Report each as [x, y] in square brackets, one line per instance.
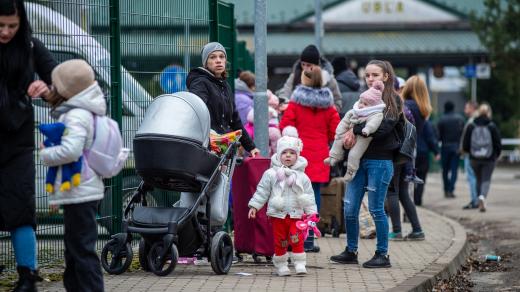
[182, 114]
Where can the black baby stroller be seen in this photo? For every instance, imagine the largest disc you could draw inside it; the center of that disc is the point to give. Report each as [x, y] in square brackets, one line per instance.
[171, 153]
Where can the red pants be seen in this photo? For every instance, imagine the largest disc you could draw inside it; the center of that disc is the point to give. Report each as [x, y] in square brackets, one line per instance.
[285, 233]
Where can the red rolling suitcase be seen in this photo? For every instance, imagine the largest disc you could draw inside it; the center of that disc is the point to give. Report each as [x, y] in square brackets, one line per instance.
[251, 236]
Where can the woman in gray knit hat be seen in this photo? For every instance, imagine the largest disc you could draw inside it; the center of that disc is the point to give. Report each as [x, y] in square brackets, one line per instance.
[209, 83]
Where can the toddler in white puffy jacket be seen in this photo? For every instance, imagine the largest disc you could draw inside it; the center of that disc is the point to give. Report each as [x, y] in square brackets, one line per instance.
[76, 98]
[289, 195]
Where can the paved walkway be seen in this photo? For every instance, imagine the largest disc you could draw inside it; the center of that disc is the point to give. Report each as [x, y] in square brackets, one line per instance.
[413, 263]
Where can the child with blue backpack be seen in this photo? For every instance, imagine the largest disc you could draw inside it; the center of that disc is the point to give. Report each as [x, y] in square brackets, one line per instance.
[76, 100]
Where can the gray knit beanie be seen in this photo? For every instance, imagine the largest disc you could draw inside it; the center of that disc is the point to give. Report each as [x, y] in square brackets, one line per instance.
[72, 77]
[210, 48]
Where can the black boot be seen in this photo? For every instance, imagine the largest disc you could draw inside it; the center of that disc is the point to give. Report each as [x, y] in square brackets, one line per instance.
[26, 280]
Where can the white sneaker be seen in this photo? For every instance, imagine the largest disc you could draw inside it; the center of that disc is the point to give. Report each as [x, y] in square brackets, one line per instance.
[482, 203]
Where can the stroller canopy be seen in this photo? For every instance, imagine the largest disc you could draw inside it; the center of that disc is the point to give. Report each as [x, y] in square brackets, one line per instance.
[182, 114]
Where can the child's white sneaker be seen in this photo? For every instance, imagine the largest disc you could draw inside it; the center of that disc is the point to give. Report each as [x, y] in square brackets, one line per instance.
[281, 265]
[300, 261]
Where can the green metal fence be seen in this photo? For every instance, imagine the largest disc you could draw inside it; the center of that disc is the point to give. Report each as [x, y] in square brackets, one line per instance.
[139, 50]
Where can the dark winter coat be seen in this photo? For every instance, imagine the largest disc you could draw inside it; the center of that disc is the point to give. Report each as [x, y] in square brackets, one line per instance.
[312, 113]
[17, 168]
[348, 85]
[495, 136]
[220, 100]
[450, 127]
[427, 140]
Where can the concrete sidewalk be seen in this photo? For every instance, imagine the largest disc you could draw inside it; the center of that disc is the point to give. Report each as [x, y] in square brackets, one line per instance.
[414, 266]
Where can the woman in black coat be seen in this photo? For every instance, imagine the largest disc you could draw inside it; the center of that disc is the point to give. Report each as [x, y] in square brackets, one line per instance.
[209, 83]
[21, 56]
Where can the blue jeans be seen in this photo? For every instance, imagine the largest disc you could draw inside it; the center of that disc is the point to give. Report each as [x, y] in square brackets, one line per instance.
[374, 177]
[472, 180]
[450, 163]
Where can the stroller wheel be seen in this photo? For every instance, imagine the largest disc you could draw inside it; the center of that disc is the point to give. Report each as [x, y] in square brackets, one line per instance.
[221, 254]
[144, 249]
[162, 266]
[116, 257]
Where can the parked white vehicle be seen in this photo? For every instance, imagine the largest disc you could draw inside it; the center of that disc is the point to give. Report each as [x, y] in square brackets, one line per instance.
[66, 40]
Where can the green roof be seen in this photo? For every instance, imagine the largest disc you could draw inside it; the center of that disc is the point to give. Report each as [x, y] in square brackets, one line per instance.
[388, 42]
[278, 11]
[289, 11]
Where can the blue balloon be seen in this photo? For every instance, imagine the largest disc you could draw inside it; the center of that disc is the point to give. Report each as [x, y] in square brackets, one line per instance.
[173, 79]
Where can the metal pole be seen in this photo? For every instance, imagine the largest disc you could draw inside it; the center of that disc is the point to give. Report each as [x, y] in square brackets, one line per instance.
[260, 96]
[474, 89]
[318, 24]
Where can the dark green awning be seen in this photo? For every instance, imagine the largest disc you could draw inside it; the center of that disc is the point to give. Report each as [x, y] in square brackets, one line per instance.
[388, 42]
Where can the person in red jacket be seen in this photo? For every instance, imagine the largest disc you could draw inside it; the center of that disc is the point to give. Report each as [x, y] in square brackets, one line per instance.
[311, 111]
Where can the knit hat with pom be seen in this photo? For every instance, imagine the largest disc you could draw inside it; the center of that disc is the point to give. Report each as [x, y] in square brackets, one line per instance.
[289, 140]
[373, 96]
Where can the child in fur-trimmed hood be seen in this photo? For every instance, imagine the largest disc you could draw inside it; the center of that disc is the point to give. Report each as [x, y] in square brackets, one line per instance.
[289, 195]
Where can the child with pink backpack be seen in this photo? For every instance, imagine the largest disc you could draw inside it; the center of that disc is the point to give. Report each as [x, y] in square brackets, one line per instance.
[90, 137]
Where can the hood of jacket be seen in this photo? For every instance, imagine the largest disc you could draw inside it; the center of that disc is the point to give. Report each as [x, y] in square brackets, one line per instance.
[313, 97]
[482, 121]
[348, 81]
[300, 165]
[242, 87]
[202, 72]
[91, 99]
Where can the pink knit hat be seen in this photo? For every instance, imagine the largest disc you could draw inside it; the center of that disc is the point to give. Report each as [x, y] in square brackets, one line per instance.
[373, 96]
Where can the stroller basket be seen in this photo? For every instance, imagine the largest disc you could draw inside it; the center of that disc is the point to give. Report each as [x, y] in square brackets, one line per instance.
[156, 216]
[173, 163]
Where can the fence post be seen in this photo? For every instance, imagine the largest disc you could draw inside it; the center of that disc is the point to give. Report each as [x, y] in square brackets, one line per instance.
[213, 18]
[116, 105]
[260, 95]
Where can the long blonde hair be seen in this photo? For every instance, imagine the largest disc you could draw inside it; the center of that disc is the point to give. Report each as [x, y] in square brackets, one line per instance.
[415, 88]
[393, 109]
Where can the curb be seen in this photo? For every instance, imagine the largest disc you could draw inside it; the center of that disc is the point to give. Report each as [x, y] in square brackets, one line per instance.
[445, 266]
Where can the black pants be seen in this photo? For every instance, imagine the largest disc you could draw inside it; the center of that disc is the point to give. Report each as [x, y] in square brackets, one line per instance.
[83, 269]
[483, 170]
[423, 165]
[398, 192]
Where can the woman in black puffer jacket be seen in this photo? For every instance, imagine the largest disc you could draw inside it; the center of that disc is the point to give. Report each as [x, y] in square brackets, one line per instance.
[209, 83]
[21, 56]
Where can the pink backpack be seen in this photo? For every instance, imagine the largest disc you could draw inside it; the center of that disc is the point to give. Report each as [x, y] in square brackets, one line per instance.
[106, 156]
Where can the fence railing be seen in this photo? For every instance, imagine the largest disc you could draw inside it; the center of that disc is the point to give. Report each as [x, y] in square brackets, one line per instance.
[139, 50]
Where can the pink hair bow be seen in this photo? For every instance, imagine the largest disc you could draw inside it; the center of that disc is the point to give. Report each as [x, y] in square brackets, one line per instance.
[307, 223]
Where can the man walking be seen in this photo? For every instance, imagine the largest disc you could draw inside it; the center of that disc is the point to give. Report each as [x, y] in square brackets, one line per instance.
[470, 110]
[450, 129]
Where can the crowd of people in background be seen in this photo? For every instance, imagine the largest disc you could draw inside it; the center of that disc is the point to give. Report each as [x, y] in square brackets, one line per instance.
[313, 99]
[318, 93]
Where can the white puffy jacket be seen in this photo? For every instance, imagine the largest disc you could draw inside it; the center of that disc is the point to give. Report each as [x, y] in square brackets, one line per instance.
[77, 115]
[296, 200]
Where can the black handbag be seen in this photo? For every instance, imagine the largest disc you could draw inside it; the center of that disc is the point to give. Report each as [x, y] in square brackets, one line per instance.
[407, 138]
